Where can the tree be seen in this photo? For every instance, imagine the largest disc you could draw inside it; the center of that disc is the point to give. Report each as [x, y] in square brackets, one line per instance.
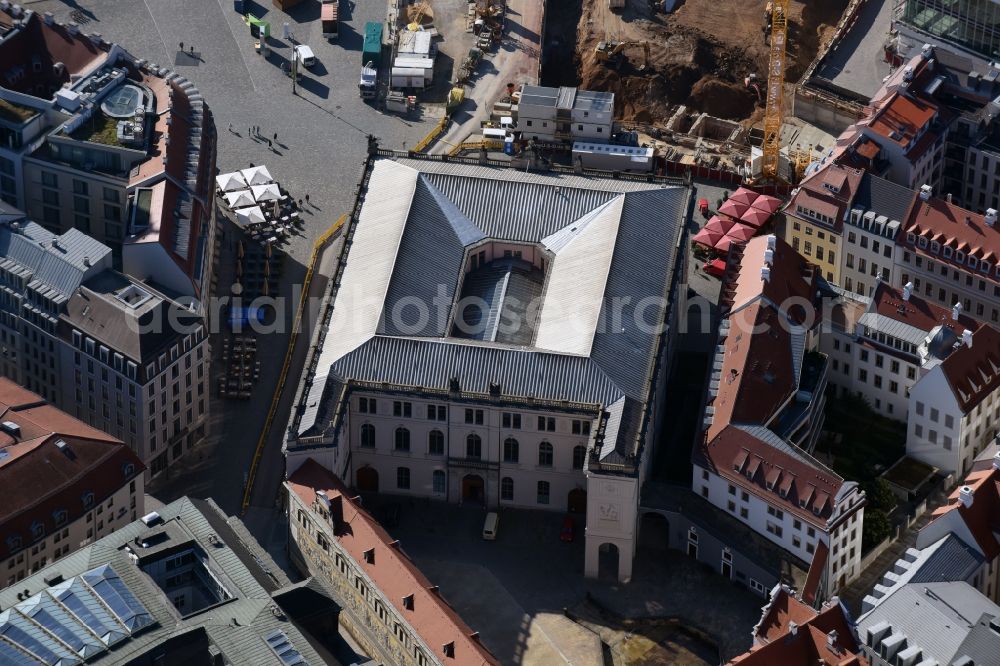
[876, 528]
[880, 496]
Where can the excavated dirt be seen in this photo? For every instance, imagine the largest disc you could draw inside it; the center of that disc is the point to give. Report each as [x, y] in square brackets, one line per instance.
[700, 54]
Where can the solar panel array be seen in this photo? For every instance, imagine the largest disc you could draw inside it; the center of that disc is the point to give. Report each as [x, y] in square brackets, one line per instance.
[71, 622]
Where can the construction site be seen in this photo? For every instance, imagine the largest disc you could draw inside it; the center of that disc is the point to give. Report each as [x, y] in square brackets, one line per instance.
[703, 54]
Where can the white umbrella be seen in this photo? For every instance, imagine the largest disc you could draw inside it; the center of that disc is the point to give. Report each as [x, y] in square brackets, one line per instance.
[231, 181]
[240, 199]
[252, 215]
[267, 192]
[258, 175]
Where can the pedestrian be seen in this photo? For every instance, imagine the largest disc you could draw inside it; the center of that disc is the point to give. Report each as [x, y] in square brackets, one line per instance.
[192, 49]
[276, 137]
[269, 144]
[182, 46]
[230, 127]
[250, 131]
[300, 203]
[307, 199]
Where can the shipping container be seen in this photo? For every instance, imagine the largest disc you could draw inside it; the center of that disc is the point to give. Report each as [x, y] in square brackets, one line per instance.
[372, 50]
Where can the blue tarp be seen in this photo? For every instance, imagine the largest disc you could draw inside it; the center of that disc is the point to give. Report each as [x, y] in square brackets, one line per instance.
[240, 318]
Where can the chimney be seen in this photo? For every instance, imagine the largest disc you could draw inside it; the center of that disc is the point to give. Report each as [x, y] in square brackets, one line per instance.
[907, 291]
[769, 257]
[991, 217]
[771, 241]
[831, 641]
[967, 338]
[48, 18]
[336, 511]
[86, 262]
[947, 197]
[956, 310]
[926, 192]
[927, 51]
[793, 628]
[908, 73]
[72, 28]
[765, 273]
[965, 496]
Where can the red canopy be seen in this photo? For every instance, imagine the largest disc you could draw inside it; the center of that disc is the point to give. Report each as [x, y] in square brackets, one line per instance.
[708, 237]
[723, 244]
[719, 225]
[741, 233]
[734, 209]
[744, 196]
[767, 202]
[755, 217]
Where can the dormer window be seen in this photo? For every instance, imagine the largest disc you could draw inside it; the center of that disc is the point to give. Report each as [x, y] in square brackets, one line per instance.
[985, 267]
[948, 252]
[408, 602]
[935, 247]
[922, 242]
[449, 649]
[370, 556]
[14, 543]
[88, 500]
[128, 469]
[959, 256]
[59, 516]
[37, 529]
[973, 262]
[911, 238]
[783, 492]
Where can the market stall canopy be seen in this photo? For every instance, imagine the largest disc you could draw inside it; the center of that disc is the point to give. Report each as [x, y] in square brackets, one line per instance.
[744, 196]
[240, 199]
[708, 237]
[251, 215]
[228, 182]
[734, 209]
[767, 202]
[269, 192]
[741, 233]
[720, 225]
[755, 217]
[258, 175]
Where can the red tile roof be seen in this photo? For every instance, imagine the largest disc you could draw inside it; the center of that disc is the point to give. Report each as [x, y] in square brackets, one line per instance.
[39, 479]
[828, 191]
[46, 45]
[393, 573]
[917, 312]
[902, 118]
[974, 372]
[983, 517]
[775, 643]
[955, 227]
[815, 575]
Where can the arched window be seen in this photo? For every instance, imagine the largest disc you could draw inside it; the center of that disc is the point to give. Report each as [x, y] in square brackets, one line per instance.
[473, 446]
[543, 492]
[579, 455]
[507, 489]
[435, 443]
[403, 478]
[402, 439]
[368, 436]
[545, 454]
[438, 481]
[510, 453]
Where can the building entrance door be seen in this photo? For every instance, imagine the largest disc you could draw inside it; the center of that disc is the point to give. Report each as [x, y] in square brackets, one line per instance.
[473, 489]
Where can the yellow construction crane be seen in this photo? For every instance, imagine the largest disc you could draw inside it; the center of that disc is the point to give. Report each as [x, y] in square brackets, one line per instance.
[609, 51]
[774, 113]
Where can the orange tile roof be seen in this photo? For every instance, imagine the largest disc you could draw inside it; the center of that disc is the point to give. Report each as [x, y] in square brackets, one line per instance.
[902, 118]
[393, 573]
[49, 44]
[38, 479]
[917, 312]
[775, 644]
[956, 227]
[816, 569]
[983, 517]
[815, 192]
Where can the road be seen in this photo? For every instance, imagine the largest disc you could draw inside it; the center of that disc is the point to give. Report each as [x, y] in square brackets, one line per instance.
[515, 61]
[319, 151]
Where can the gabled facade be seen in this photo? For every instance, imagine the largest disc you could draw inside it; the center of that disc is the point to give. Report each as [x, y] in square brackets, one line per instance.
[764, 412]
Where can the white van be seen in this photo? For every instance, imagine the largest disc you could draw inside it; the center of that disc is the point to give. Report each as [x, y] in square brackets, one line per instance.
[305, 55]
[490, 526]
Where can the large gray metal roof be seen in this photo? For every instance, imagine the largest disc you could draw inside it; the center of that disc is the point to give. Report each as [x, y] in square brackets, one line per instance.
[417, 221]
[56, 264]
[884, 198]
[241, 642]
[951, 560]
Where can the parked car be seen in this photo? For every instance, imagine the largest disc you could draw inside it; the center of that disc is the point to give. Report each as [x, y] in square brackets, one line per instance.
[568, 529]
[305, 55]
[703, 207]
[715, 267]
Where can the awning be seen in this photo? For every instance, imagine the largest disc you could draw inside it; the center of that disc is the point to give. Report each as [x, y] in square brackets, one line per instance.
[240, 199]
[767, 202]
[744, 196]
[251, 215]
[741, 233]
[258, 175]
[269, 192]
[734, 209]
[708, 237]
[755, 217]
[720, 225]
[228, 182]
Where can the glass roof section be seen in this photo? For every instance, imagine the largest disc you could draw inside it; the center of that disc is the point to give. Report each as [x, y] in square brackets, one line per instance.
[281, 646]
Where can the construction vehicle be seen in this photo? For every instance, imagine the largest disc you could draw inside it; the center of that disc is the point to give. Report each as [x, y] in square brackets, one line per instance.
[371, 51]
[611, 53]
[774, 111]
[418, 12]
[455, 98]
[399, 102]
[468, 66]
[368, 85]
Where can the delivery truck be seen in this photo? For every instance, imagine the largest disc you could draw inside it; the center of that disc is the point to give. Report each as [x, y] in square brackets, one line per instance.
[330, 18]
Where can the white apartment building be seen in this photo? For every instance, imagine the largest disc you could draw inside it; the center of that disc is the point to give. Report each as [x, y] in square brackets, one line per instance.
[954, 410]
[951, 255]
[870, 230]
[565, 114]
[528, 401]
[763, 380]
[71, 484]
[100, 345]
